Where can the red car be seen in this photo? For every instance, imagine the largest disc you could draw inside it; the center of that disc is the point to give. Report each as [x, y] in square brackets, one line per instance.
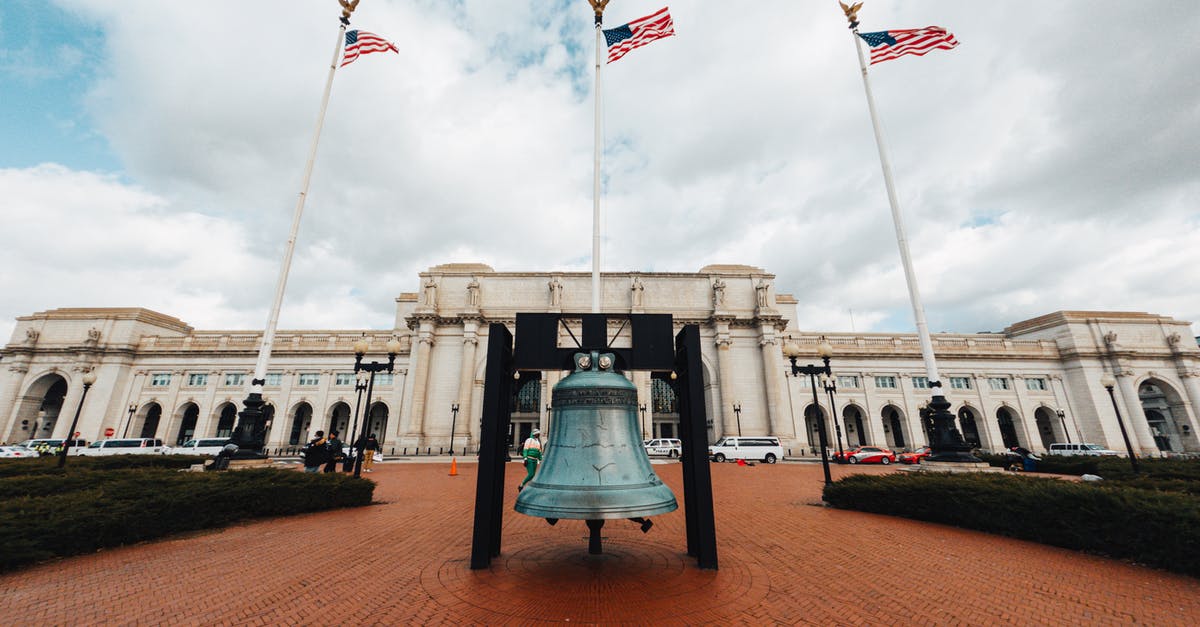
[915, 457]
[841, 457]
[871, 455]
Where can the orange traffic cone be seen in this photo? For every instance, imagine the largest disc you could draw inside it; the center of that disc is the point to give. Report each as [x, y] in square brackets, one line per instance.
[453, 467]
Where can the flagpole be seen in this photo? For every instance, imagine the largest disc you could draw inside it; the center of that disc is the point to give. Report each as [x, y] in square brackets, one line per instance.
[250, 434]
[948, 444]
[599, 9]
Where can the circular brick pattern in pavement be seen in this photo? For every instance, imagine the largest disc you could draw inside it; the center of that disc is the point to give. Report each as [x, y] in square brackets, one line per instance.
[634, 580]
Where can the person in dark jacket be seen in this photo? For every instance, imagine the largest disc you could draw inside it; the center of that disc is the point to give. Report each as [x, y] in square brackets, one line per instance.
[334, 451]
[369, 447]
[315, 453]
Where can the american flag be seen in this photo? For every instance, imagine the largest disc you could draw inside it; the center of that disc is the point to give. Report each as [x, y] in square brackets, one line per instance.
[891, 44]
[361, 42]
[638, 33]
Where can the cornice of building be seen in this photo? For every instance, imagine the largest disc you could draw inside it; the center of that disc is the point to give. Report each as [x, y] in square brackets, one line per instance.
[1061, 318]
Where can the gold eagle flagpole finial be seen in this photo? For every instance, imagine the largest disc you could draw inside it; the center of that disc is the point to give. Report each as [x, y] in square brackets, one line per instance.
[347, 9]
[598, 7]
[851, 12]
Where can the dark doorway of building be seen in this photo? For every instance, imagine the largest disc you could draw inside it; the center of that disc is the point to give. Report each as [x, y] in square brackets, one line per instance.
[150, 425]
[1008, 428]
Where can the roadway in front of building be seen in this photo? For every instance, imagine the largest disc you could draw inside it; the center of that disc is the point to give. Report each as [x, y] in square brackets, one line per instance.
[784, 558]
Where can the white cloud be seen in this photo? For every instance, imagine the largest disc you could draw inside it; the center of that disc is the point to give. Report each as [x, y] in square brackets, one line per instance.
[1036, 173]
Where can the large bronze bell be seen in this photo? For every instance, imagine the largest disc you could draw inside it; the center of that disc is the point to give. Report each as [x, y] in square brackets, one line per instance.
[595, 466]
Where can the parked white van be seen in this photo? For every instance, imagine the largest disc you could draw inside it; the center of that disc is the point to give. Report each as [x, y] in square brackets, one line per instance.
[1081, 448]
[203, 446]
[765, 448]
[128, 446]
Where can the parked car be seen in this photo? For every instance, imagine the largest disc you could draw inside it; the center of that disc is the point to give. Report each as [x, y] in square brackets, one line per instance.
[17, 451]
[202, 446]
[765, 448]
[125, 446]
[915, 457]
[670, 447]
[1080, 448]
[52, 446]
[872, 455]
[843, 456]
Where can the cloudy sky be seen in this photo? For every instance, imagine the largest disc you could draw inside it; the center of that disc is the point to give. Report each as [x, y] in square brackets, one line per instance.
[151, 153]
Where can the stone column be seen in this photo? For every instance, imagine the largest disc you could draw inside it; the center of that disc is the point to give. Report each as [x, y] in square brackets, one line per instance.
[1191, 385]
[1131, 412]
[466, 380]
[14, 374]
[724, 343]
[416, 428]
[772, 358]
[1028, 415]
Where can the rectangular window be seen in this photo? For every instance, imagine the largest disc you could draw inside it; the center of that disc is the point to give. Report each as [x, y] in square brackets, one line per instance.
[998, 383]
[160, 379]
[921, 383]
[197, 380]
[384, 378]
[960, 383]
[344, 378]
[234, 379]
[273, 379]
[885, 382]
[847, 381]
[308, 378]
[1035, 384]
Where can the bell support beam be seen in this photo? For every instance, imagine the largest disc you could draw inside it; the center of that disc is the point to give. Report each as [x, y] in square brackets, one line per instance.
[693, 422]
[489, 485]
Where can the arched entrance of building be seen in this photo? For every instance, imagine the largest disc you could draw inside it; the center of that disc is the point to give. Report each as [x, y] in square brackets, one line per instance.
[893, 427]
[856, 433]
[1049, 427]
[150, 420]
[1007, 419]
[226, 421]
[186, 419]
[968, 426]
[339, 420]
[664, 416]
[526, 408]
[41, 407]
[813, 416]
[377, 420]
[1165, 414]
[301, 421]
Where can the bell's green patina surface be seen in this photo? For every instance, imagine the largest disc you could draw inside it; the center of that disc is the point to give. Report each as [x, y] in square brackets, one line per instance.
[595, 466]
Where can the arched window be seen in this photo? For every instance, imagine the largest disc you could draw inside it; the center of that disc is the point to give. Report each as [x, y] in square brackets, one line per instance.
[663, 397]
[529, 398]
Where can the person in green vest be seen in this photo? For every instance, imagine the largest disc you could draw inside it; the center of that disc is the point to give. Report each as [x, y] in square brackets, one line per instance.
[531, 450]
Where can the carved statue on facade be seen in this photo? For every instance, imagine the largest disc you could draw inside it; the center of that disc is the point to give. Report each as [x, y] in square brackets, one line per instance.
[93, 335]
[31, 336]
[637, 288]
[761, 289]
[430, 292]
[718, 287]
[556, 289]
[473, 292]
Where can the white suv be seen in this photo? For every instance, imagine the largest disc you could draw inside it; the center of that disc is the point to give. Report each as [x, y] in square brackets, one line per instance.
[765, 448]
[670, 447]
[1080, 449]
[203, 446]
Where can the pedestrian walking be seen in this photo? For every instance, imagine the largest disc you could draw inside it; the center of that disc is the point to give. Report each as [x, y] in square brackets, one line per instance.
[369, 446]
[315, 453]
[336, 454]
[531, 450]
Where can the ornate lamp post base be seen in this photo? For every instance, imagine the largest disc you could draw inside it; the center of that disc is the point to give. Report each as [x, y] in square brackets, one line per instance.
[948, 444]
[250, 434]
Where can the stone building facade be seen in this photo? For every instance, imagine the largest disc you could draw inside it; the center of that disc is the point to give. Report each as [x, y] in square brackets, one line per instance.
[1035, 383]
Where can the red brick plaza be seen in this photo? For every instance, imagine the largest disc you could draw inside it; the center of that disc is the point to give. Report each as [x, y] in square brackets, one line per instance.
[784, 560]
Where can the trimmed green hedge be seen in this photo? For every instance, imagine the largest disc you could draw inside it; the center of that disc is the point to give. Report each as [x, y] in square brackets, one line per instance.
[60, 515]
[1152, 527]
[49, 465]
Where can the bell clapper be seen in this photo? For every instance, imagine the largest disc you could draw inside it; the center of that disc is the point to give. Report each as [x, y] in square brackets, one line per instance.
[646, 523]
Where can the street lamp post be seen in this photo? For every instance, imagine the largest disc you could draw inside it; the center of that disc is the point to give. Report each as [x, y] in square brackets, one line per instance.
[89, 378]
[830, 385]
[360, 386]
[129, 420]
[737, 411]
[360, 349]
[453, 421]
[642, 407]
[825, 351]
[1108, 382]
[1062, 417]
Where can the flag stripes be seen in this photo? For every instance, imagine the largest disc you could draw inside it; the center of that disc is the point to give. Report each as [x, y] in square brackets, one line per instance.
[892, 44]
[361, 42]
[622, 39]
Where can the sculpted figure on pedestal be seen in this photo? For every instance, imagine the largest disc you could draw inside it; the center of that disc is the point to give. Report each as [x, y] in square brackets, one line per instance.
[556, 288]
[473, 292]
[637, 288]
[718, 293]
[430, 292]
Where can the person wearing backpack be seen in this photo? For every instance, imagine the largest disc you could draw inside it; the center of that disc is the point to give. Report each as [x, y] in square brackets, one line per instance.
[334, 453]
[315, 453]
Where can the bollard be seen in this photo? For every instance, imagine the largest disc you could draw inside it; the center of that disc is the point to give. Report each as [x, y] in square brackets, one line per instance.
[393, 453]
[404, 451]
[439, 450]
[427, 450]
